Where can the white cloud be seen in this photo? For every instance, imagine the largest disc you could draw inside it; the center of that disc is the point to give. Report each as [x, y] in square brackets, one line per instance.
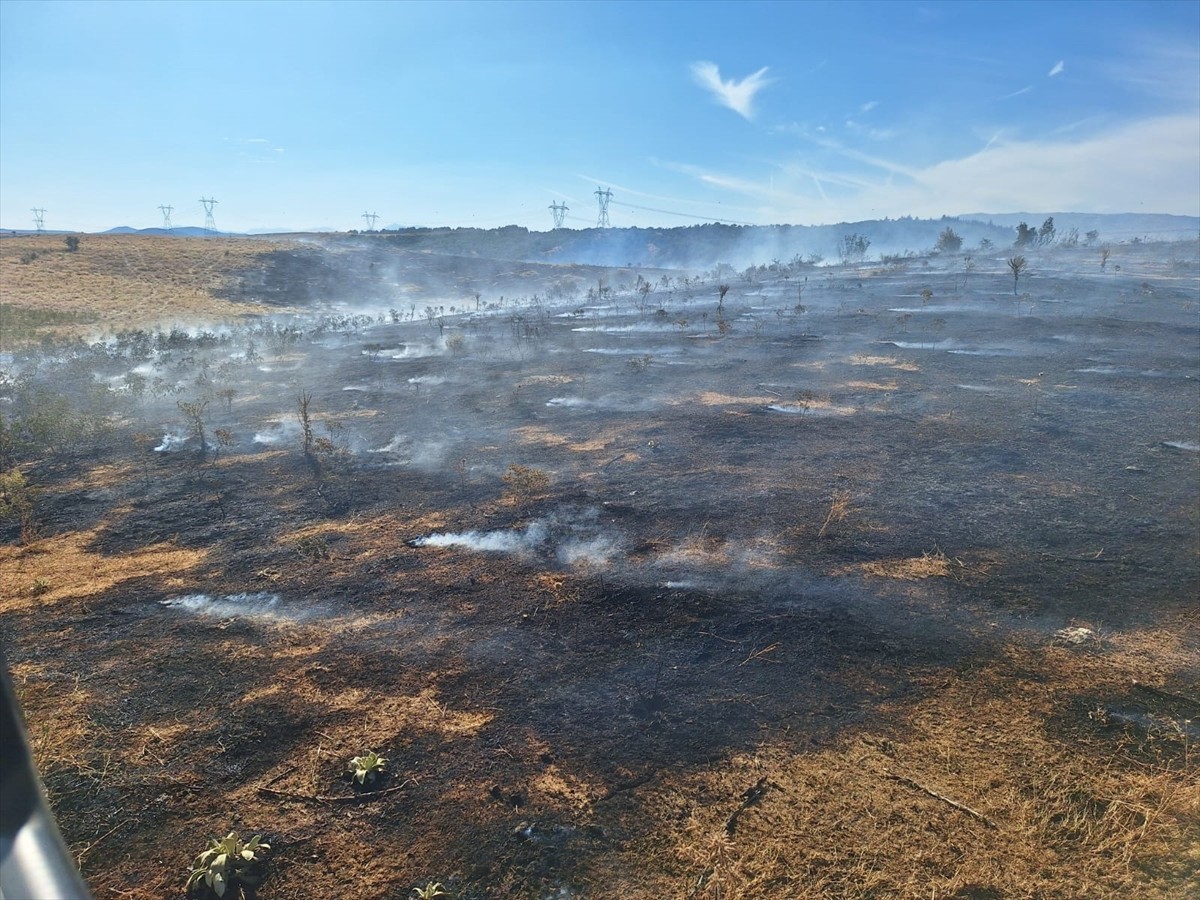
[1057, 70]
[868, 106]
[1152, 165]
[737, 95]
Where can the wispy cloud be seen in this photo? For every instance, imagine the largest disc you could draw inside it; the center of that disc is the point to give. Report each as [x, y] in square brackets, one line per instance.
[1057, 70]
[875, 134]
[1024, 90]
[737, 95]
[1147, 164]
[868, 106]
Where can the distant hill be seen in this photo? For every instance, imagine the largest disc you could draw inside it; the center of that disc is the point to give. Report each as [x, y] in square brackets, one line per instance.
[183, 231]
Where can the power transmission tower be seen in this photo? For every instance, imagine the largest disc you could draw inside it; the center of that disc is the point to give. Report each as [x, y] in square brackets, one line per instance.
[39, 219]
[166, 211]
[559, 211]
[603, 196]
[210, 224]
[370, 217]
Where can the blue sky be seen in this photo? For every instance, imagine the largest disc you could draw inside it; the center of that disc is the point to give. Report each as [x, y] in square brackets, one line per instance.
[303, 115]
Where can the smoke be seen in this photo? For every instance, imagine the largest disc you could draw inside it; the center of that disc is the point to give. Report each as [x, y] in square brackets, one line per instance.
[252, 606]
[283, 431]
[571, 537]
[523, 541]
[172, 441]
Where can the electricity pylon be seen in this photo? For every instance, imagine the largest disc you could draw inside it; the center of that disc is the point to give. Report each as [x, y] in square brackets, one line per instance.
[166, 211]
[603, 196]
[210, 224]
[370, 217]
[559, 211]
[39, 219]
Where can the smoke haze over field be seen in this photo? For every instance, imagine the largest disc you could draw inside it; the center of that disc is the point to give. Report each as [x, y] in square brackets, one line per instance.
[885, 110]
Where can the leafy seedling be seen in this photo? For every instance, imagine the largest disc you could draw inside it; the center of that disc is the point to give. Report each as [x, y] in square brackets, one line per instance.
[431, 890]
[367, 768]
[226, 863]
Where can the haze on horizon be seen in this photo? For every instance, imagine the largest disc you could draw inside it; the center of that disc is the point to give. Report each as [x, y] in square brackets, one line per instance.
[304, 115]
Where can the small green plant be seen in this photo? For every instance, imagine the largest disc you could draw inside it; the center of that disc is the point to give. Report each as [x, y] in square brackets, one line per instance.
[40, 586]
[72, 242]
[431, 890]
[368, 767]
[227, 863]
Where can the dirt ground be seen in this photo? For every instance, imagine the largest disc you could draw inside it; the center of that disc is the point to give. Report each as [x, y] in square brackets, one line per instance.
[829, 587]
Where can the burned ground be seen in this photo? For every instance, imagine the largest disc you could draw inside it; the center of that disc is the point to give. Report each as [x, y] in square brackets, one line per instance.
[832, 591]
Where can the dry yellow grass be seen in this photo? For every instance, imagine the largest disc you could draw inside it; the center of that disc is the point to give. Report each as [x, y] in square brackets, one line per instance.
[927, 565]
[63, 568]
[125, 281]
[978, 796]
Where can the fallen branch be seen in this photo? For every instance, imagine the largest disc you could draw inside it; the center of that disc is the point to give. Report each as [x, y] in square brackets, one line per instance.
[317, 798]
[760, 654]
[1081, 559]
[959, 806]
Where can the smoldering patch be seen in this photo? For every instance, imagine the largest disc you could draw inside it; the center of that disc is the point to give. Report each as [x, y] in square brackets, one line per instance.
[172, 441]
[285, 430]
[575, 538]
[608, 402]
[248, 605]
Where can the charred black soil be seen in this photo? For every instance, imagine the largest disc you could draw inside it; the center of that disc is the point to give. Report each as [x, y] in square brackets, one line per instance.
[821, 591]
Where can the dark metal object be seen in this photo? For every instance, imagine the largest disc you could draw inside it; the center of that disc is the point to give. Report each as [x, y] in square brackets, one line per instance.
[34, 862]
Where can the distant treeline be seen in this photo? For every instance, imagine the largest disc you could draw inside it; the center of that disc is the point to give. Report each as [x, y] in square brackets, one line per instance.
[702, 246]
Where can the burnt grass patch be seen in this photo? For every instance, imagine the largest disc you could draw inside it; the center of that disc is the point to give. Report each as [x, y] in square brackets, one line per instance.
[798, 609]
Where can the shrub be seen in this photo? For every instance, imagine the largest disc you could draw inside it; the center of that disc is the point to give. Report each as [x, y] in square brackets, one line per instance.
[949, 241]
[853, 248]
[16, 503]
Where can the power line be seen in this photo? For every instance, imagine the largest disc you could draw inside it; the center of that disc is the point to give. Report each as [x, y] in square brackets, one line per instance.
[669, 212]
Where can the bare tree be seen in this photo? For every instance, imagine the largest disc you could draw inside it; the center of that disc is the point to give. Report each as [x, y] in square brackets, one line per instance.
[1018, 265]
